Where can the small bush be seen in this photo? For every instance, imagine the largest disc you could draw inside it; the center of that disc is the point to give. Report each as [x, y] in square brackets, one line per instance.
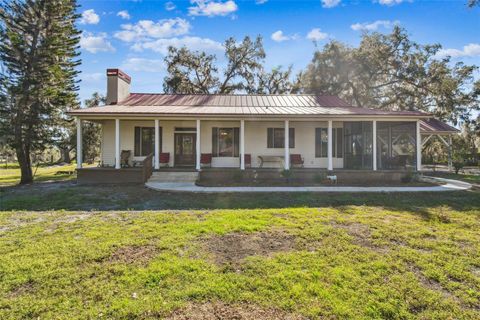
[409, 176]
[319, 177]
[458, 165]
[287, 174]
[238, 176]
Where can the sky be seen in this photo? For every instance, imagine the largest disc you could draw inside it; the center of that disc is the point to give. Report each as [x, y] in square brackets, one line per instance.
[134, 35]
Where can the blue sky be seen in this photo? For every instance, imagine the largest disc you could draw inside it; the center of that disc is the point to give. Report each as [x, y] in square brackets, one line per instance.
[133, 35]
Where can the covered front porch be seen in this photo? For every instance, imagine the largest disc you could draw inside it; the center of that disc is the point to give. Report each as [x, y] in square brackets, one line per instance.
[357, 144]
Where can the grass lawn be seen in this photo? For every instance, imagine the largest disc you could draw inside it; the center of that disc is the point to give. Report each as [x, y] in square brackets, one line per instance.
[395, 256]
[79, 252]
[10, 174]
[464, 177]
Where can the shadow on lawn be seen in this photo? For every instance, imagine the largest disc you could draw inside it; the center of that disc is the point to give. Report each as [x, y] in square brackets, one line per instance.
[69, 196]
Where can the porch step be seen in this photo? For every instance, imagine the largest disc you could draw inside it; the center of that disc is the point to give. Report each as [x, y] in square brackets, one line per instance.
[173, 176]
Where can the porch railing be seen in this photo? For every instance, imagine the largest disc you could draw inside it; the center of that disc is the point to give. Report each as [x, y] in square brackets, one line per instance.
[147, 167]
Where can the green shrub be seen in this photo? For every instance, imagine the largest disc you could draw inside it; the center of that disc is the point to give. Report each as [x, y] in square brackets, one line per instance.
[238, 176]
[458, 165]
[410, 176]
[319, 177]
[287, 174]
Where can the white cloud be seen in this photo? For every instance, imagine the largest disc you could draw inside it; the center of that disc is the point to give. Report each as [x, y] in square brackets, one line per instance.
[330, 3]
[93, 77]
[390, 2]
[316, 35]
[123, 14]
[470, 50]
[149, 29]
[212, 8]
[192, 43]
[278, 36]
[374, 25]
[260, 1]
[89, 17]
[145, 65]
[169, 6]
[95, 43]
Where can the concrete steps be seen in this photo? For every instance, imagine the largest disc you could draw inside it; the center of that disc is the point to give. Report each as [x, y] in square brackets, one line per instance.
[174, 176]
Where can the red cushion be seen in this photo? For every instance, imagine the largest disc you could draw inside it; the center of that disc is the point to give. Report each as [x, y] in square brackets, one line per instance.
[206, 158]
[164, 157]
[248, 158]
[296, 159]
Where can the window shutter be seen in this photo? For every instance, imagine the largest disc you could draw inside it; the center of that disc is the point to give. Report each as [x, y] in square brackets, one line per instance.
[137, 142]
[270, 138]
[318, 142]
[215, 142]
[160, 138]
[236, 142]
[291, 137]
[151, 145]
[334, 142]
[324, 143]
[339, 143]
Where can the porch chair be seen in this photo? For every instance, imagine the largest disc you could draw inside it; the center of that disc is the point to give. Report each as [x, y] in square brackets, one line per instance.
[164, 158]
[125, 158]
[296, 160]
[248, 160]
[206, 159]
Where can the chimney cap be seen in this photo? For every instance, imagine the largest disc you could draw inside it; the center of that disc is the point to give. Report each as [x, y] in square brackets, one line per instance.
[119, 73]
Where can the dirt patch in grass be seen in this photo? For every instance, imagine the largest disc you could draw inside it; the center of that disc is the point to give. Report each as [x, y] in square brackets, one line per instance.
[232, 248]
[24, 288]
[221, 311]
[432, 284]
[362, 236]
[71, 218]
[359, 232]
[476, 271]
[133, 254]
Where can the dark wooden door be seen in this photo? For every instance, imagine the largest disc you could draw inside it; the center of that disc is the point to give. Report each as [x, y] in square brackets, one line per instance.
[185, 149]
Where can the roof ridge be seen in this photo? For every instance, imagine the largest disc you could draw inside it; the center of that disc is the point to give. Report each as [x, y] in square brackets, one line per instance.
[235, 94]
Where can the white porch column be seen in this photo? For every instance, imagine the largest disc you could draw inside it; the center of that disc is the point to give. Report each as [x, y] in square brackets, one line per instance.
[197, 148]
[450, 155]
[117, 143]
[419, 147]
[79, 143]
[157, 145]
[374, 145]
[330, 145]
[242, 144]
[287, 146]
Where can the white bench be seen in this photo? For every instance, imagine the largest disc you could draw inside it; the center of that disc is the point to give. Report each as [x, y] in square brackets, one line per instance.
[271, 159]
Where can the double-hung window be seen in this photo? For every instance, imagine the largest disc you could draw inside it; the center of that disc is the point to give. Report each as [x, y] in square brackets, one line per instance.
[225, 142]
[276, 138]
[145, 141]
[321, 142]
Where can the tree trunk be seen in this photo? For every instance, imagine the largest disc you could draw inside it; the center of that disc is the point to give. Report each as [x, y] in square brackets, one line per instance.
[65, 155]
[23, 157]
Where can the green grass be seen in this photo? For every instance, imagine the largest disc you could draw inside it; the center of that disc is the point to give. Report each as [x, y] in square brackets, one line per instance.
[464, 177]
[415, 256]
[11, 174]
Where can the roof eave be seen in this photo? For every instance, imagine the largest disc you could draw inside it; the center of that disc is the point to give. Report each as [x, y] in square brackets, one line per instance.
[203, 115]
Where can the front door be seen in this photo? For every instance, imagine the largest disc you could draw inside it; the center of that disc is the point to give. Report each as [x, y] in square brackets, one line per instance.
[185, 149]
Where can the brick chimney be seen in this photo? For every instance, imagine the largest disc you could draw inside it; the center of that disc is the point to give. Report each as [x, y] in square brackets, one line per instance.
[118, 86]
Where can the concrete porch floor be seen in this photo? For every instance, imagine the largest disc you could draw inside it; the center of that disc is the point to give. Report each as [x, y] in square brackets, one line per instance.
[449, 185]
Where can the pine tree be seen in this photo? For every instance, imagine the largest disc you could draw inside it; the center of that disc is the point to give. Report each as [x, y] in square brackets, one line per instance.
[39, 53]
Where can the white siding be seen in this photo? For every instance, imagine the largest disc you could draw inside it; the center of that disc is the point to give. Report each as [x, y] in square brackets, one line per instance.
[255, 140]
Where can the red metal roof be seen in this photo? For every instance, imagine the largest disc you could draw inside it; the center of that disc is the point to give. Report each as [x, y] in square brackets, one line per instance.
[436, 126]
[204, 100]
[251, 105]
